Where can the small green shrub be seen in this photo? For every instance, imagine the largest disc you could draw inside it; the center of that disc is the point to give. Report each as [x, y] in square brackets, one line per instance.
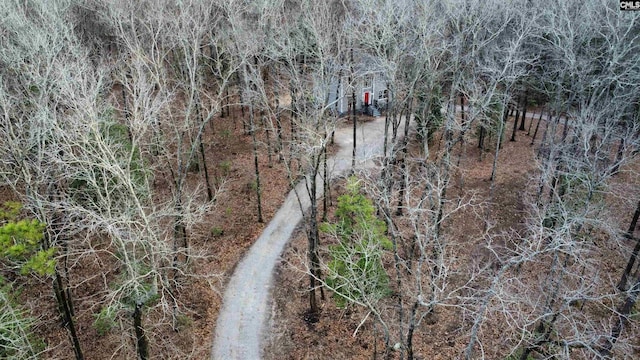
[105, 320]
[517, 354]
[34, 89]
[21, 243]
[10, 210]
[217, 231]
[183, 321]
[356, 271]
[225, 167]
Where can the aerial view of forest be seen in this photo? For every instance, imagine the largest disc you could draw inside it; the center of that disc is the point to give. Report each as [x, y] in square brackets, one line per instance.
[328, 179]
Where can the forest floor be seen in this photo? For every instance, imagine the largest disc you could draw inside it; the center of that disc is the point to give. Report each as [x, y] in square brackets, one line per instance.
[342, 334]
[332, 336]
[217, 242]
[227, 233]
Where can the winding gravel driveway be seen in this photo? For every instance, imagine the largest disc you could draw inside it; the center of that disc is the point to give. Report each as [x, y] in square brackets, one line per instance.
[242, 319]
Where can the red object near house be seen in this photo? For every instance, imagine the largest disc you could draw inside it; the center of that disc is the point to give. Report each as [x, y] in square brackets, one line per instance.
[366, 98]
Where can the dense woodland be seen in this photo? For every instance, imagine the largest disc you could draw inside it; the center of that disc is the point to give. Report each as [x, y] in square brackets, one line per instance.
[145, 143]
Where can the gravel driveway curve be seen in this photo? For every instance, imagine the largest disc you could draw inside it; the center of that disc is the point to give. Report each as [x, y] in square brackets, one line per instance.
[242, 319]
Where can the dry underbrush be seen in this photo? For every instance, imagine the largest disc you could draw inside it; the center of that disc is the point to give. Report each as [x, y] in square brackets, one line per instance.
[444, 334]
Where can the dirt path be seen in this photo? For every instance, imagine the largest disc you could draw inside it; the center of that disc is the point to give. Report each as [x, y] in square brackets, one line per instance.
[242, 319]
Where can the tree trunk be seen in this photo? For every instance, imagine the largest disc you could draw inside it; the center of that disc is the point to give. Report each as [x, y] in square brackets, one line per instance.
[404, 175]
[495, 157]
[179, 234]
[338, 88]
[292, 120]
[557, 178]
[446, 162]
[386, 134]
[531, 123]
[622, 285]
[533, 139]
[278, 128]
[396, 120]
[412, 326]
[551, 121]
[619, 155]
[241, 102]
[544, 327]
[623, 311]
[268, 137]
[386, 122]
[225, 104]
[502, 132]
[375, 341]
[202, 153]
[481, 136]
[353, 153]
[403, 166]
[565, 130]
[314, 259]
[325, 184]
[396, 264]
[465, 124]
[226, 99]
[61, 291]
[206, 170]
[66, 311]
[524, 113]
[141, 339]
[494, 168]
[462, 114]
[255, 163]
[353, 108]
[515, 126]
